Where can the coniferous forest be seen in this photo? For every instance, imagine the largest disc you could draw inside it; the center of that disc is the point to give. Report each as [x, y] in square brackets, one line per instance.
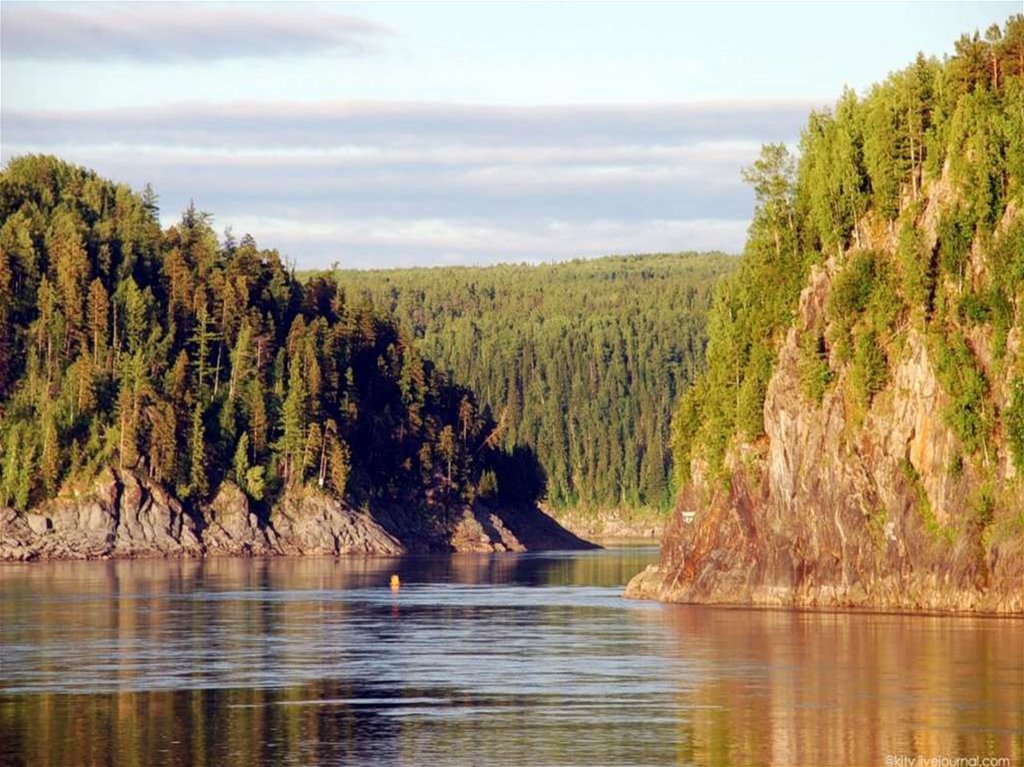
[193, 360]
[580, 361]
[951, 269]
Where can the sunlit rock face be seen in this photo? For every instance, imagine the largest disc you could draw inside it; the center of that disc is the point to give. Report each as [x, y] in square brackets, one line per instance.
[122, 514]
[877, 507]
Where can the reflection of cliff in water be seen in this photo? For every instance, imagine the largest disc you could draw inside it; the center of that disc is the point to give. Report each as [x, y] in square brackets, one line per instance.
[799, 688]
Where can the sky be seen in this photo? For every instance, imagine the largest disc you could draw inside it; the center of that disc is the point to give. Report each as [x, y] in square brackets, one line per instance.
[420, 134]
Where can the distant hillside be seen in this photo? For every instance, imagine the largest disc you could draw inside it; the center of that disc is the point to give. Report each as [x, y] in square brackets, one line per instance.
[581, 361]
[858, 437]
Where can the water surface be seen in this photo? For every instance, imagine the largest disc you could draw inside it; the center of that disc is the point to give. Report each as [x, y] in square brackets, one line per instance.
[477, 659]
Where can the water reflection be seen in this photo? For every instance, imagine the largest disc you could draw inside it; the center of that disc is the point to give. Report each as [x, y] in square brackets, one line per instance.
[487, 660]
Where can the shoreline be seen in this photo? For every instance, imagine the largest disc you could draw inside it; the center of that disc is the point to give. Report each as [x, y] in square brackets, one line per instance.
[652, 584]
[639, 525]
[124, 515]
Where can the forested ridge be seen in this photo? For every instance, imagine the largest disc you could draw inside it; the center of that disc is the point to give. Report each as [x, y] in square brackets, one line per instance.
[909, 197]
[192, 360]
[581, 361]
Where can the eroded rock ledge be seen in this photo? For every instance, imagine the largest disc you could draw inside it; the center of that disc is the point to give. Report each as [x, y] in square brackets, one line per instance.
[124, 515]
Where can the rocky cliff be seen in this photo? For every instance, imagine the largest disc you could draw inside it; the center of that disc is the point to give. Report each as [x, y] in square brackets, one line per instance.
[857, 439]
[124, 515]
[838, 506]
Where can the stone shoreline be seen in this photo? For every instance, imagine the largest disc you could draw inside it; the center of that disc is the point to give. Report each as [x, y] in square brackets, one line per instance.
[124, 515]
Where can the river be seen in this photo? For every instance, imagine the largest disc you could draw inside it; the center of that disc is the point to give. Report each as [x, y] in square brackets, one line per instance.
[531, 659]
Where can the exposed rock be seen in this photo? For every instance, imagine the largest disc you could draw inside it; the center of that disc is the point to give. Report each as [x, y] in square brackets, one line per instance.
[122, 514]
[151, 522]
[613, 524]
[525, 528]
[483, 531]
[38, 524]
[232, 528]
[119, 514]
[310, 522]
[876, 510]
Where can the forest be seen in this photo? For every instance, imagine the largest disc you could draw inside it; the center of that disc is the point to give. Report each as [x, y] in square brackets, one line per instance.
[952, 271]
[581, 361]
[194, 359]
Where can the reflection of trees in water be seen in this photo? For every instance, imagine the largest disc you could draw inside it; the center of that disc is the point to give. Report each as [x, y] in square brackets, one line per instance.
[159, 577]
[314, 723]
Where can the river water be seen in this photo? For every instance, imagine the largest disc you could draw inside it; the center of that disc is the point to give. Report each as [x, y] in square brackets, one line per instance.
[504, 659]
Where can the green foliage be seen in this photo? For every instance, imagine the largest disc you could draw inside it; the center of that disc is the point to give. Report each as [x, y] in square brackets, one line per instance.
[917, 272]
[864, 170]
[932, 526]
[970, 412]
[169, 353]
[814, 371]
[750, 402]
[955, 233]
[1013, 420]
[870, 369]
[853, 286]
[686, 423]
[488, 485]
[956, 467]
[582, 361]
[750, 310]
[976, 154]
[832, 178]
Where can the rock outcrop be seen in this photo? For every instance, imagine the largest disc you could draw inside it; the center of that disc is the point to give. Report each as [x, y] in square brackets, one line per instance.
[119, 514]
[314, 523]
[613, 524]
[232, 528]
[123, 514]
[841, 507]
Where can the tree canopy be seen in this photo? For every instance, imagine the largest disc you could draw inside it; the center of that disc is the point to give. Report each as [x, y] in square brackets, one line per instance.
[580, 361]
[195, 359]
[954, 126]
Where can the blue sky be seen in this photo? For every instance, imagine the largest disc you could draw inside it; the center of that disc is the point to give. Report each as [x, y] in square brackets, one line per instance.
[426, 133]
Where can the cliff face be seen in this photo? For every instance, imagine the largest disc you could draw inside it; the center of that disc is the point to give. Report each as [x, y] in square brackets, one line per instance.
[842, 507]
[124, 515]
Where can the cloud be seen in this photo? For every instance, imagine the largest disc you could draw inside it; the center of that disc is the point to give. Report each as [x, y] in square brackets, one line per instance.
[567, 182]
[398, 183]
[398, 124]
[162, 32]
[382, 241]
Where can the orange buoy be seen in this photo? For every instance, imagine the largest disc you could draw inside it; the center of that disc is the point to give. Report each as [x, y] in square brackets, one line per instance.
[395, 582]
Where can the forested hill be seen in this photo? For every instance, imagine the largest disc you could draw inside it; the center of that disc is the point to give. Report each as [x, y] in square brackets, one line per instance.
[191, 362]
[858, 437]
[580, 361]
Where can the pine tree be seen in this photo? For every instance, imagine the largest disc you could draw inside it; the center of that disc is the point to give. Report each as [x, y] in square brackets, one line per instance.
[241, 461]
[99, 310]
[293, 426]
[198, 481]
